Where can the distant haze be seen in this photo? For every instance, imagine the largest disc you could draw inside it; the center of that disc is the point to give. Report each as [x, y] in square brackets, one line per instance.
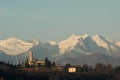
[57, 19]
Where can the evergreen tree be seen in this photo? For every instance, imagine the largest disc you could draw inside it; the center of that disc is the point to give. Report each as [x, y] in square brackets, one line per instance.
[99, 67]
[47, 63]
[53, 63]
[26, 63]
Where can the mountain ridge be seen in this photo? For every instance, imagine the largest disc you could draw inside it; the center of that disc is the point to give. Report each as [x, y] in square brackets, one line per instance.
[72, 47]
[14, 46]
[84, 42]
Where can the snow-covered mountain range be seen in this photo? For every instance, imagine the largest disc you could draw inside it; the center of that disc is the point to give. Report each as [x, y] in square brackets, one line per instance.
[70, 48]
[14, 46]
[86, 44]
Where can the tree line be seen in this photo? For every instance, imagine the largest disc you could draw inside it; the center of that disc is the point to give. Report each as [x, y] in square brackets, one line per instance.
[84, 72]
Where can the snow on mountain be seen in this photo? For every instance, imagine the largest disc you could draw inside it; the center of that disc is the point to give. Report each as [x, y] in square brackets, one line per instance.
[52, 42]
[90, 45]
[81, 44]
[68, 43]
[84, 36]
[14, 46]
[81, 49]
[100, 42]
[76, 44]
[109, 45]
[35, 42]
[71, 47]
[117, 43]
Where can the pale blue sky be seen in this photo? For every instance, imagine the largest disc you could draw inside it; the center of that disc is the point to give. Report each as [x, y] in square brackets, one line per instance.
[58, 19]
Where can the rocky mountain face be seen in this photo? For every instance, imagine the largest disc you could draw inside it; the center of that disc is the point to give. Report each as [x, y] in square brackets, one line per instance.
[75, 49]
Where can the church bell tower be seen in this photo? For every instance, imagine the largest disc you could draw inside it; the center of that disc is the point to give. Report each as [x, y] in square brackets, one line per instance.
[31, 57]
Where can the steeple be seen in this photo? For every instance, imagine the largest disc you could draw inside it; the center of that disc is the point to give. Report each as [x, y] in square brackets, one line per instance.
[31, 57]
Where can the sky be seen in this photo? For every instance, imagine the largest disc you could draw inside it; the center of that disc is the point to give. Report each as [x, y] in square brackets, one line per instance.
[58, 19]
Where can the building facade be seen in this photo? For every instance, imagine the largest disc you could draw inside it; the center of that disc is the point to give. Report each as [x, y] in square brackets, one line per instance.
[72, 69]
[33, 62]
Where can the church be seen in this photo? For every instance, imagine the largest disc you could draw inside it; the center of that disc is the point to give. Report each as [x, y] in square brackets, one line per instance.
[33, 62]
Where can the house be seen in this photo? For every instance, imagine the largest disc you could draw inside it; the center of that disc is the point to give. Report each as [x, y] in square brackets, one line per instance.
[72, 70]
[40, 62]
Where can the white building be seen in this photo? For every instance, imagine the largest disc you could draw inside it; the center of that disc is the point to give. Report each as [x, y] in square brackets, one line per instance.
[33, 62]
[72, 69]
[40, 62]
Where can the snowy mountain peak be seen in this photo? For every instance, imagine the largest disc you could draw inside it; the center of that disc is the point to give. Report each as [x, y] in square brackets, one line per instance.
[14, 46]
[74, 36]
[79, 44]
[100, 41]
[12, 39]
[85, 36]
[103, 38]
[35, 41]
[109, 45]
[95, 44]
[68, 43]
[52, 42]
[99, 36]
